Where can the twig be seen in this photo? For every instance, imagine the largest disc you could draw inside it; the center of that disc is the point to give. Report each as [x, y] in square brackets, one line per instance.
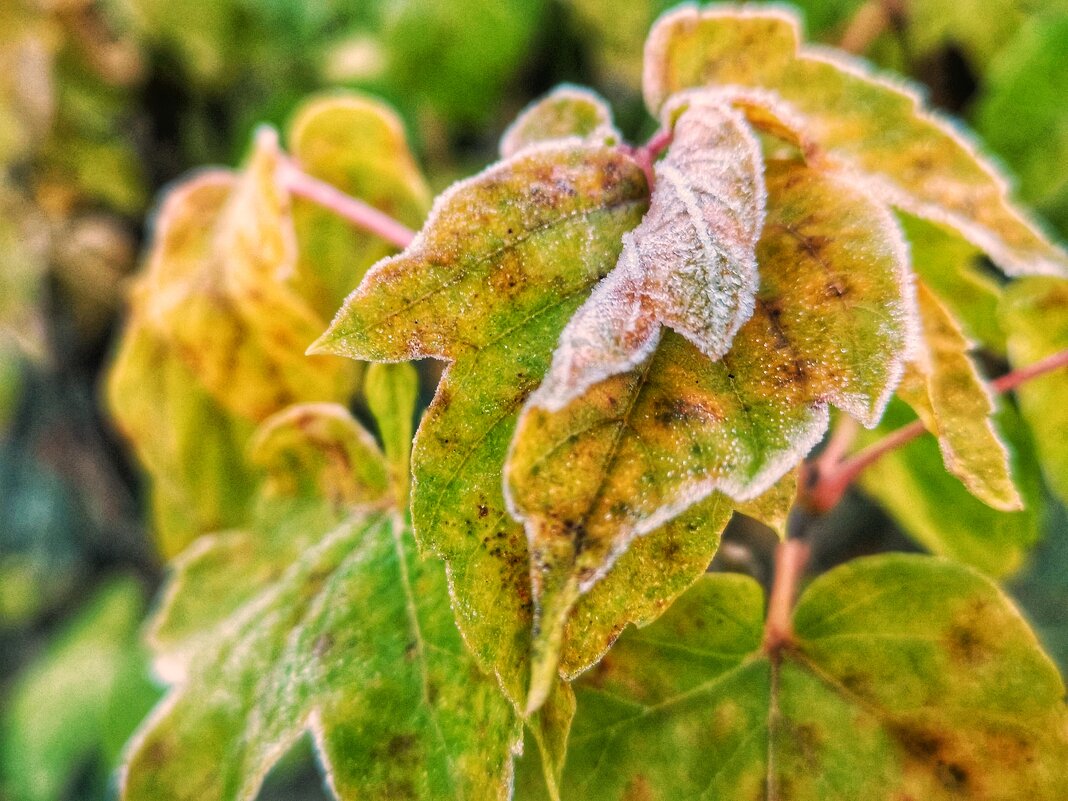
[647, 154]
[360, 214]
[825, 483]
[790, 559]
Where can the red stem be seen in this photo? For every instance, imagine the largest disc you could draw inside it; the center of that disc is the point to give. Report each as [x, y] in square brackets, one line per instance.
[790, 559]
[360, 214]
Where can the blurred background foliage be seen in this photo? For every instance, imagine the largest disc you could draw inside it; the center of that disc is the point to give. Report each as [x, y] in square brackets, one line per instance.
[103, 103]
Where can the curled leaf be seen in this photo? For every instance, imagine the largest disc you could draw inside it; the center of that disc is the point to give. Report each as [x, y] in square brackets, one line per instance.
[690, 265]
[955, 404]
[874, 129]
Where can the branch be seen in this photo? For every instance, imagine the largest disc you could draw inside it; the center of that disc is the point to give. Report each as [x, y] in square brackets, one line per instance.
[823, 484]
[360, 214]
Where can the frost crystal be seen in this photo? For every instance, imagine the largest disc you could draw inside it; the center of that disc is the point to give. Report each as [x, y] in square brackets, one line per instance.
[690, 265]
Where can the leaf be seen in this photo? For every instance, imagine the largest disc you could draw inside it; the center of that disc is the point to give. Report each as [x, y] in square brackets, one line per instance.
[1020, 112]
[936, 510]
[1035, 315]
[320, 618]
[190, 446]
[74, 707]
[871, 128]
[948, 266]
[909, 677]
[357, 144]
[955, 404]
[831, 325]
[566, 112]
[232, 318]
[501, 264]
[495, 307]
[690, 265]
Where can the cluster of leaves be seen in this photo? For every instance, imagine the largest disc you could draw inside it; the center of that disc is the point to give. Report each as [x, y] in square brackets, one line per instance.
[637, 348]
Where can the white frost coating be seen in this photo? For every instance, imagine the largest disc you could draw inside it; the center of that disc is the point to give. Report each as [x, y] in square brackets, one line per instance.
[690, 264]
[1054, 261]
[516, 136]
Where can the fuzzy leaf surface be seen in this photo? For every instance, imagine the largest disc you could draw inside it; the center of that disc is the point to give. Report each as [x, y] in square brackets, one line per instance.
[690, 265]
[320, 617]
[872, 128]
[831, 325]
[502, 264]
[956, 406]
[1035, 316]
[910, 677]
[564, 113]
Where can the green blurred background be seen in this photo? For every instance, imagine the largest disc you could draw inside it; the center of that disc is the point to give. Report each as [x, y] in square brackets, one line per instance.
[103, 103]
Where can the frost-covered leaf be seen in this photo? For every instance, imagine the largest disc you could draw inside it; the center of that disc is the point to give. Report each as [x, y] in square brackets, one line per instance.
[1035, 317]
[909, 677]
[870, 127]
[831, 326]
[504, 260]
[955, 405]
[357, 144]
[949, 266]
[566, 112]
[320, 617]
[690, 265]
[72, 710]
[935, 509]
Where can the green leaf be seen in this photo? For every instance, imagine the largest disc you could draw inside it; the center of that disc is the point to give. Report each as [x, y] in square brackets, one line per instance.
[690, 265]
[948, 266]
[871, 128]
[566, 112]
[831, 325]
[320, 617]
[908, 677]
[955, 404]
[357, 144]
[503, 261]
[1021, 112]
[936, 510]
[1035, 315]
[76, 705]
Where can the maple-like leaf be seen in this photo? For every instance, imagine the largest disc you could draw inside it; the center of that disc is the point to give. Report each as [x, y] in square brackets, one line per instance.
[832, 326]
[690, 265]
[907, 677]
[567, 112]
[1034, 314]
[320, 618]
[955, 405]
[873, 128]
[501, 265]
